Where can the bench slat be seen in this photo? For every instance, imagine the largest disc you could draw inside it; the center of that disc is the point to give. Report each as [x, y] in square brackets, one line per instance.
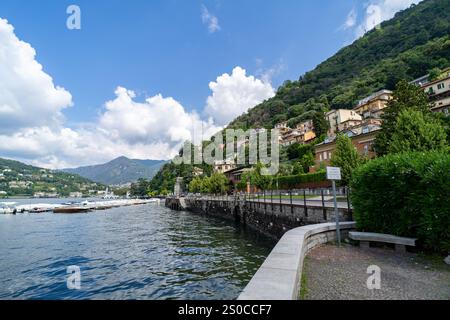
[379, 237]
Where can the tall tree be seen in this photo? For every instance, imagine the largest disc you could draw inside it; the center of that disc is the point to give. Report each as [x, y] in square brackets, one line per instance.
[416, 132]
[345, 157]
[218, 183]
[406, 96]
[321, 125]
[196, 185]
[259, 180]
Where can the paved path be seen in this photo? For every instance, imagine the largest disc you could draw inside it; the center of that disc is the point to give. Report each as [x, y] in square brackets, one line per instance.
[334, 273]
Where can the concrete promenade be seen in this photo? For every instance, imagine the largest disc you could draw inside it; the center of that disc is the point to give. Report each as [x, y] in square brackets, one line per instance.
[279, 278]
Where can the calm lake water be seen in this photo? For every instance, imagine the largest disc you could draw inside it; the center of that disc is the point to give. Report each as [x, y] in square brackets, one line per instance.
[142, 252]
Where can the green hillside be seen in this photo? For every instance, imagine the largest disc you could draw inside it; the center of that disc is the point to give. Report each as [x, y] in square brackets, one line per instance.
[408, 46]
[415, 41]
[19, 179]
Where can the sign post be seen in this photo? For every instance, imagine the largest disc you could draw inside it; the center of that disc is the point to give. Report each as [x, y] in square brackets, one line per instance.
[334, 174]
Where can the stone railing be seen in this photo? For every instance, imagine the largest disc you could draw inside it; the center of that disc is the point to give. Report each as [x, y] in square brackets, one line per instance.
[279, 277]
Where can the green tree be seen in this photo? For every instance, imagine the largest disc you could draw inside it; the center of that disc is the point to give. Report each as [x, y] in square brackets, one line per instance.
[140, 188]
[164, 192]
[218, 183]
[303, 165]
[152, 194]
[307, 161]
[434, 74]
[285, 169]
[195, 186]
[406, 96]
[321, 125]
[416, 132]
[245, 178]
[345, 157]
[259, 180]
[206, 185]
[298, 168]
[297, 151]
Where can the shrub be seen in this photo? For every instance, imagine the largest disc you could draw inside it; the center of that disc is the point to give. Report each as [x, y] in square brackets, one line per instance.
[406, 195]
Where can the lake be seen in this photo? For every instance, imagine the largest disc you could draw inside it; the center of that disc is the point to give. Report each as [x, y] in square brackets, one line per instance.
[141, 252]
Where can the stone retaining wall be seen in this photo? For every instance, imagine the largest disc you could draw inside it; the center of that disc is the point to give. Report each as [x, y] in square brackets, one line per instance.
[271, 219]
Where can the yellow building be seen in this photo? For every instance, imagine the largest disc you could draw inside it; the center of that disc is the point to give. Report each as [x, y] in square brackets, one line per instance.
[372, 107]
[439, 92]
[305, 126]
[341, 119]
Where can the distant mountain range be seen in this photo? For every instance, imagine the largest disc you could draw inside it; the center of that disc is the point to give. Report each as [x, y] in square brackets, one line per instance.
[119, 171]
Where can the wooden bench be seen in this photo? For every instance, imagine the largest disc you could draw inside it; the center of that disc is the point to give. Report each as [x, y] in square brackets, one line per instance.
[366, 237]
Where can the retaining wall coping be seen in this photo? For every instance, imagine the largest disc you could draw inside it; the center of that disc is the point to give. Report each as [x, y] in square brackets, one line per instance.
[279, 276]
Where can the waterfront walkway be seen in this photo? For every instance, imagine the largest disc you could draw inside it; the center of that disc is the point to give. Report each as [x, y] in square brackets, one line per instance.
[333, 273]
[318, 202]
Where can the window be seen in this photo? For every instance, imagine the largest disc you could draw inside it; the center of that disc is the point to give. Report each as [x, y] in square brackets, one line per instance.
[320, 157]
[441, 86]
[366, 149]
[325, 154]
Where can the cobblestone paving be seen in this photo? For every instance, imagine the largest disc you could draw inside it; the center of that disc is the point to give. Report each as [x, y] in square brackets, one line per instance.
[334, 273]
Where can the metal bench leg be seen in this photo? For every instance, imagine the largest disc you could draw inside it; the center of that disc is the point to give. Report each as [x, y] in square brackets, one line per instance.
[400, 248]
[364, 244]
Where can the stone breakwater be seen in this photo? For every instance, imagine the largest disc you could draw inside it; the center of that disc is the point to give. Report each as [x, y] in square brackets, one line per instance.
[84, 206]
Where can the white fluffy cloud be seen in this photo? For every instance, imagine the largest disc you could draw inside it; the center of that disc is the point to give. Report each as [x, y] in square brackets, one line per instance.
[210, 20]
[28, 96]
[153, 129]
[157, 120]
[351, 20]
[377, 11]
[32, 127]
[232, 95]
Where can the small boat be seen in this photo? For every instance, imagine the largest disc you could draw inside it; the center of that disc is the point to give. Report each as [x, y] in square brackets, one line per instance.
[71, 210]
[103, 208]
[7, 211]
[7, 208]
[37, 208]
[40, 210]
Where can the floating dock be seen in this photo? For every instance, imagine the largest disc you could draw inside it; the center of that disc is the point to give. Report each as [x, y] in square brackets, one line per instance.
[82, 207]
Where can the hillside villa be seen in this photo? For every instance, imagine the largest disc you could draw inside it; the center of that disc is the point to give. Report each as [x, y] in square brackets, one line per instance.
[222, 166]
[341, 119]
[361, 124]
[302, 133]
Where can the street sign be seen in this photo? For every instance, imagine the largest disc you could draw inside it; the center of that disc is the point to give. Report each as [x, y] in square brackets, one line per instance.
[334, 173]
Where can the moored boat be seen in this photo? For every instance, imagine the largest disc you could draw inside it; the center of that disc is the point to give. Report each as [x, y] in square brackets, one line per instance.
[71, 210]
[7, 208]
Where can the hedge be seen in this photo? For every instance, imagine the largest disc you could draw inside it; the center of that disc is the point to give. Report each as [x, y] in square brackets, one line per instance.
[406, 195]
[287, 182]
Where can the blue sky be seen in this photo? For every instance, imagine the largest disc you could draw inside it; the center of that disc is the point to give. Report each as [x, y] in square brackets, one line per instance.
[163, 47]
[170, 48]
